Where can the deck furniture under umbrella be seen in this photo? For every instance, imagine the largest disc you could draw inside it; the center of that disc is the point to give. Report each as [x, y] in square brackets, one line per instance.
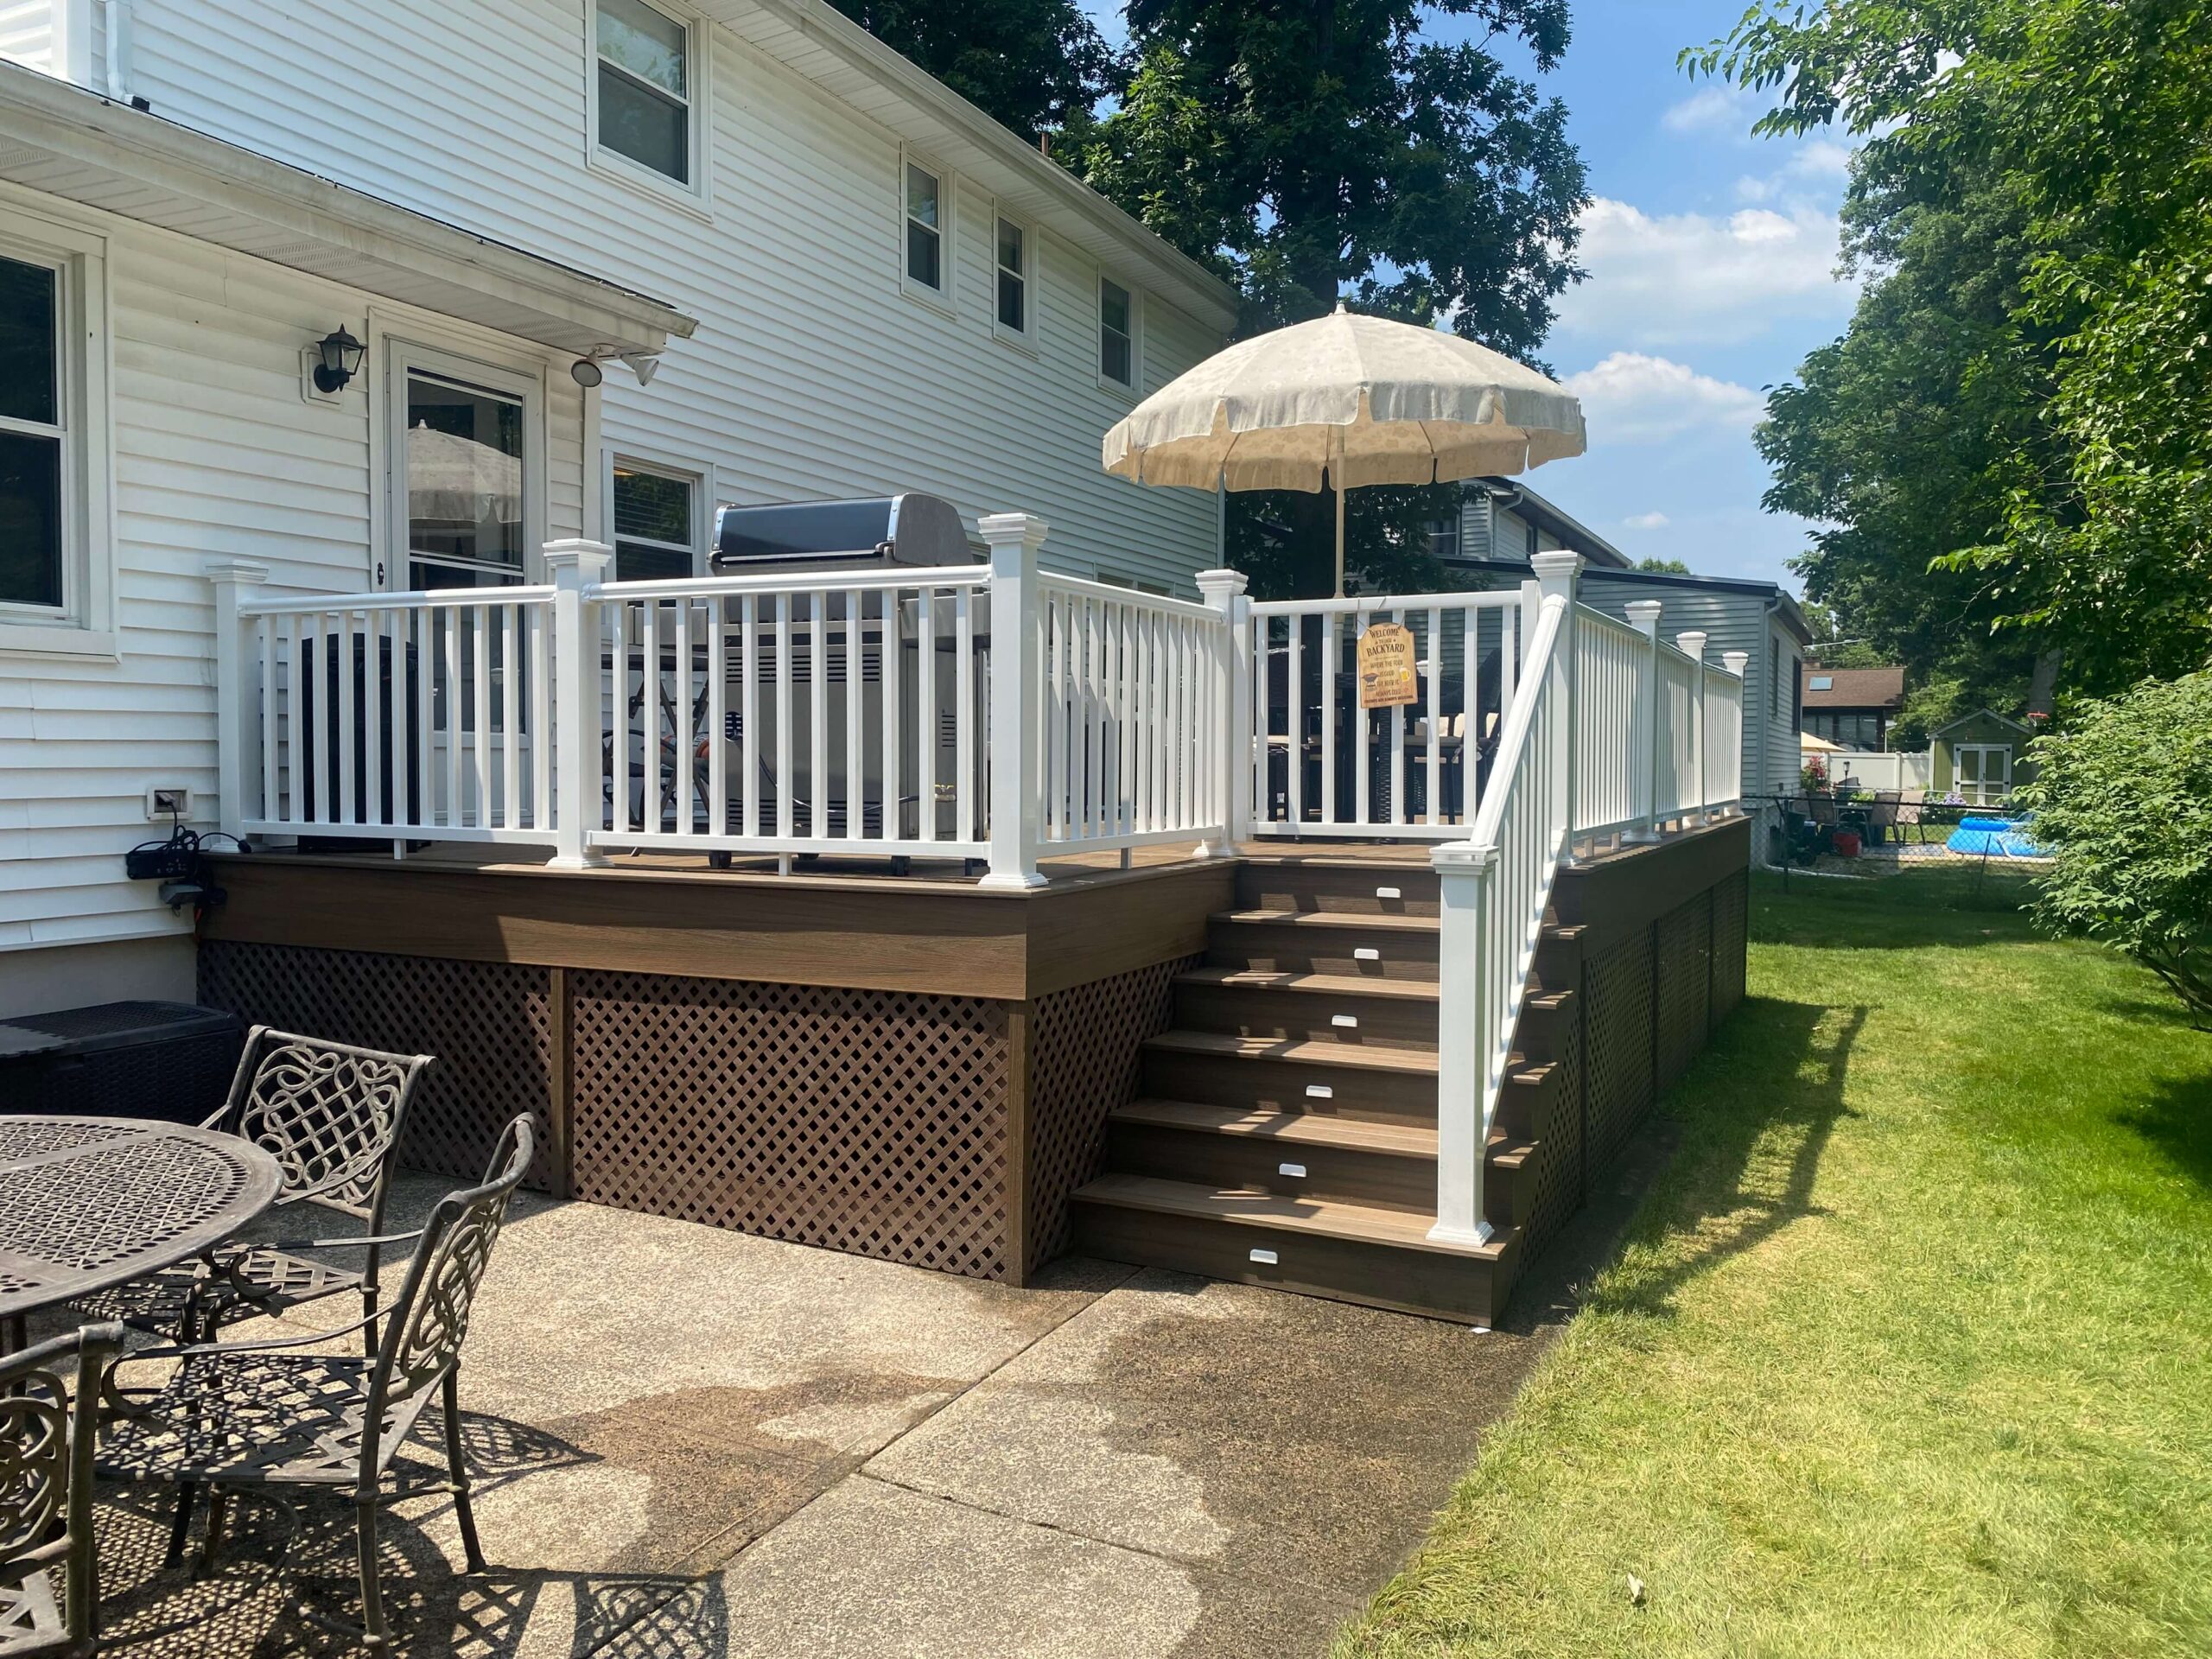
[49, 1397]
[1347, 400]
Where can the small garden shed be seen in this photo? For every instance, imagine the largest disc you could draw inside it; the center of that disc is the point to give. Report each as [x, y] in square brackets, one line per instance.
[1981, 755]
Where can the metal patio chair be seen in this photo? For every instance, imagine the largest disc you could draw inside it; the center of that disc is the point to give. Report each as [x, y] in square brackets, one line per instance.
[268, 1414]
[1911, 814]
[49, 1397]
[330, 1114]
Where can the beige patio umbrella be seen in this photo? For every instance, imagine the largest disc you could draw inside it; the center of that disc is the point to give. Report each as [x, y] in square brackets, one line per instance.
[1807, 744]
[453, 479]
[1350, 400]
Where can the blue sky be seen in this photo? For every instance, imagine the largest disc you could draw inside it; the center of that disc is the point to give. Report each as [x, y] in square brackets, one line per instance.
[1711, 258]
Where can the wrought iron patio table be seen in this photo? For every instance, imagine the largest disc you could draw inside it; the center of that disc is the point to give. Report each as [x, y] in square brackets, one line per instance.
[86, 1203]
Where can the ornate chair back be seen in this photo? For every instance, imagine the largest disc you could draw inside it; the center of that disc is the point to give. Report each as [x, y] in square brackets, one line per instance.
[49, 1396]
[422, 1337]
[328, 1113]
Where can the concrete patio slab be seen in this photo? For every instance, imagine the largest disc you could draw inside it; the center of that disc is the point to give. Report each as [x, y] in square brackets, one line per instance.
[691, 1443]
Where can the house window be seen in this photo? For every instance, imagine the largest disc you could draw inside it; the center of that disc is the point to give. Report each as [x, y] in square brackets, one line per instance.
[926, 221]
[1117, 334]
[646, 87]
[1013, 278]
[34, 440]
[655, 524]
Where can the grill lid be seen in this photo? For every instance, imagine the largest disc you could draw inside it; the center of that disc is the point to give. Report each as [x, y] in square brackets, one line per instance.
[912, 528]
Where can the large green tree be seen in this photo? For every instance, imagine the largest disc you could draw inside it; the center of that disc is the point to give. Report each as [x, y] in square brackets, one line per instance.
[2011, 445]
[1334, 148]
[1032, 64]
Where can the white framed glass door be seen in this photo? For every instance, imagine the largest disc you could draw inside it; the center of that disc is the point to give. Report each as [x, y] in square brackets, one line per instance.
[467, 471]
[1983, 772]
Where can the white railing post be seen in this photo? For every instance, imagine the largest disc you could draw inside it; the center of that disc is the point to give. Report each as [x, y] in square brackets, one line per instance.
[1016, 731]
[576, 567]
[1692, 645]
[1227, 776]
[1555, 574]
[1465, 876]
[1643, 616]
[1736, 662]
[238, 729]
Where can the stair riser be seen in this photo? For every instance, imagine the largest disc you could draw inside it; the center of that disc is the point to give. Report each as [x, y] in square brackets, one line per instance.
[1383, 1022]
[1380, 1275]
[1285, 948]
[1558, 965]
[1540, 1034]
[1359, 891]
[1282, 1086]
[1380, 1180]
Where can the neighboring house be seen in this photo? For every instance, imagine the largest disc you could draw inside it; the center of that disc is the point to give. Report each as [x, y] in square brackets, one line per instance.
[1980, 756]
[1757, 618]
[1501, 518]
[839, 277]
[1851, 707]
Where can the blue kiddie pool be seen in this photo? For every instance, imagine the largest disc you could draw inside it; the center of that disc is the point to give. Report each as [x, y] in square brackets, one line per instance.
[1994, 838]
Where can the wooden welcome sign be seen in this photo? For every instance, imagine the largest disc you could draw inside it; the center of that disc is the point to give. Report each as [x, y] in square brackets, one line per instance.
[1387, 676]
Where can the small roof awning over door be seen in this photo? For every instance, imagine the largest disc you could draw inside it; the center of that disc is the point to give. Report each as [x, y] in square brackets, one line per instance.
[66, 142]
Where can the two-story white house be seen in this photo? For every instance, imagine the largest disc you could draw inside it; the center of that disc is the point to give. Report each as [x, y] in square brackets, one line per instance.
[386, 294]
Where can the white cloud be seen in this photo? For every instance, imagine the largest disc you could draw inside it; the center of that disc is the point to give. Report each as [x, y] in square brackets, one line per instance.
[1666, 279]
[1819, 167]
[1647, 521]
[1713, 109]
[1631, 398]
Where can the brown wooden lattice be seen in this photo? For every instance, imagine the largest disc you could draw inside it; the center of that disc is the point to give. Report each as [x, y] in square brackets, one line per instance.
[1617, 1044]
[1086, 1050]
[486, 1022]
[1558, 1163]
[1682, 941]
[872, 1121]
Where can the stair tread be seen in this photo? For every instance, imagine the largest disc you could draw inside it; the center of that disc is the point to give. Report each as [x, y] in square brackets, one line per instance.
[1263, 979]
[1378, 921]
[1290, 1128]
[1352, 1055]
[1398, 1229]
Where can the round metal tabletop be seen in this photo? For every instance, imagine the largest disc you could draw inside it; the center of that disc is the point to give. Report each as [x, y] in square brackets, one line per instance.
[90, 1202]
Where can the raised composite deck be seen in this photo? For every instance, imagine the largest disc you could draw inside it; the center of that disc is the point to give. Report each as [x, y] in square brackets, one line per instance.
[1226, 1065]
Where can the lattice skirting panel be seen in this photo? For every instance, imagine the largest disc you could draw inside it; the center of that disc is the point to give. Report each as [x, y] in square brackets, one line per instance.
[488, 1023]
[1648, 1003]
[1086, 1048]
[869, 1121]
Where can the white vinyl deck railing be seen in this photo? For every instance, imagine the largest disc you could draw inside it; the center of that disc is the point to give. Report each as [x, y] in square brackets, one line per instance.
[995, 713]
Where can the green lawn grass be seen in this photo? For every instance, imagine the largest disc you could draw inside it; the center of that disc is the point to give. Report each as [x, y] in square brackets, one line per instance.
[1909, 1352]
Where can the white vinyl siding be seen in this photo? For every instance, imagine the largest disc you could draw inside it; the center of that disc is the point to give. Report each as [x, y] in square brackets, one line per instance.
[810, 377]
[216, 455]
[27, 33]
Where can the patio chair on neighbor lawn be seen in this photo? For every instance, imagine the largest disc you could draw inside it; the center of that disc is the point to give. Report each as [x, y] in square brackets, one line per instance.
[1911, 816]
[265, 1414]
[330, 1114]
[1882, 816]
[49, 1397]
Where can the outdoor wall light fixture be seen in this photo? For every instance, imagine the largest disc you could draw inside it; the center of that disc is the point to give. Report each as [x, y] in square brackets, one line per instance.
[341, 360]
[586, 372]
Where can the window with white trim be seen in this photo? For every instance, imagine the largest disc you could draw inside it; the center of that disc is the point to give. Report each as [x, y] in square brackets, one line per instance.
[656, 522]
[645, 89]
[1117, 334]
[1014, 253]
[34, 439]
[56, 590]
[926, 267]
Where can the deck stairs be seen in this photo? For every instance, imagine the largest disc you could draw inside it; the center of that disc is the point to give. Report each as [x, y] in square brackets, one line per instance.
[1284, 1132]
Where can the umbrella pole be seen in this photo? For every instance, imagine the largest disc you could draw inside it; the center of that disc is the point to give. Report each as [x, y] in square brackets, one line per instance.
[1340, 541]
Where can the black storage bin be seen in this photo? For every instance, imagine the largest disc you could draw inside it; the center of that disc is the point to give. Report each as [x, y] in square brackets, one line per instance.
[169, 1060]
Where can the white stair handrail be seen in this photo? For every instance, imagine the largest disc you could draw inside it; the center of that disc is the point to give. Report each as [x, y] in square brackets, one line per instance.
[1494, 889]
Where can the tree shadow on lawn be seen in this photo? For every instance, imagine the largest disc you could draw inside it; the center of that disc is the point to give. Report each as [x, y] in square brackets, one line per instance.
[2177, 1120]
[1914, 911]
[1752, 1119]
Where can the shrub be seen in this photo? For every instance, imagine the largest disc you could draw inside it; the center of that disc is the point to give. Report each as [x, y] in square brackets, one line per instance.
[2123, 799]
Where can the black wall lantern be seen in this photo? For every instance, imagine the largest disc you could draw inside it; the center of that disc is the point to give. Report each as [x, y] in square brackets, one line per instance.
[341, 358]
